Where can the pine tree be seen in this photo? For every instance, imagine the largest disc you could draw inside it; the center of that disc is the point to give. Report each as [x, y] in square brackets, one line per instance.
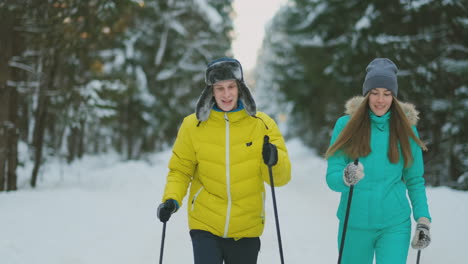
[333, 41]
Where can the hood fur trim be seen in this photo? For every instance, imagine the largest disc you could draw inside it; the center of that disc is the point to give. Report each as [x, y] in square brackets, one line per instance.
[205, 103]
[247, 99]
[412, 114]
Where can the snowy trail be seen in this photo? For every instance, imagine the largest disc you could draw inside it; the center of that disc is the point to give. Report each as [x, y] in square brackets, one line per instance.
[98, 211]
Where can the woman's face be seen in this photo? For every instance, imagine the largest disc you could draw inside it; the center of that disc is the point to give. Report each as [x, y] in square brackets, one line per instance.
[380, 100]
[226, 94]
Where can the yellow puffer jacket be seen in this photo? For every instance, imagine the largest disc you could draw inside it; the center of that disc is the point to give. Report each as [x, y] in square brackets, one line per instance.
[222, 160]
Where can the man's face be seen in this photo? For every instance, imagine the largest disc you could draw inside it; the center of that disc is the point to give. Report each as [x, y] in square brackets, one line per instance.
[226, 94]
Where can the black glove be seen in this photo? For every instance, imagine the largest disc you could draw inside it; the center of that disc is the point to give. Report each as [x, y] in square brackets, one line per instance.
[269, 153]
[166, 209]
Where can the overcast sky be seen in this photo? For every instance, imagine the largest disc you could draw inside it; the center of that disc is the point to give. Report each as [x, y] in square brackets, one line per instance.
[249, 27]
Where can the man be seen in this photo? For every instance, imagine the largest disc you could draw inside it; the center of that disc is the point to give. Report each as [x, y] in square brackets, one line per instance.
[220, 151]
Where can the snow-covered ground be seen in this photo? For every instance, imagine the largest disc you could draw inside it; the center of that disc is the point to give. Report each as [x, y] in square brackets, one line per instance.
[102, 211]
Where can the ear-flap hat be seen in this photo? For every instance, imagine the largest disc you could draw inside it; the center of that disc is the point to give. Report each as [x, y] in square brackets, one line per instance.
[221, 70]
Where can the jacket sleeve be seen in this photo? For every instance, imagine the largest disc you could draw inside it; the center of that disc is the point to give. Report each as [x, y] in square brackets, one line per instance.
[338, 161]
[181, 165]
[413, 176]
[282, 170]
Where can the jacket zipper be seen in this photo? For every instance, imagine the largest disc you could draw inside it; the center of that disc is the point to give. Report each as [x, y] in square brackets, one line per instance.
[228, 178]
[195, 197]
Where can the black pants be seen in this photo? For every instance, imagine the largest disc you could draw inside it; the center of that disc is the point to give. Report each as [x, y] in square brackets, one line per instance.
[211, 249]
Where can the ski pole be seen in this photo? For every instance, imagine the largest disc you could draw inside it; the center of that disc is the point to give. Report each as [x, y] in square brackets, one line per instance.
[421, 236]
[162, 243]
[272, 185]
[345, 225]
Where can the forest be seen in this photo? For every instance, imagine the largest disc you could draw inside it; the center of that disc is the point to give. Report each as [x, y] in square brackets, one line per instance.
[315, 54]
[117, 76]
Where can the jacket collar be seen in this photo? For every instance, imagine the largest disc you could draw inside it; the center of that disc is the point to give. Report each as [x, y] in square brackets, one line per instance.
[381, 122]
[232, 116]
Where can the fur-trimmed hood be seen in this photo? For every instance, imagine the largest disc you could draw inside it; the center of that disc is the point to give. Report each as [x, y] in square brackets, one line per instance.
[412, 114]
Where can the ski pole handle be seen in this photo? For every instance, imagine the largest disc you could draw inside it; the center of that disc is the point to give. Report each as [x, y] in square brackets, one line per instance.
[266, 140]
[269, 152]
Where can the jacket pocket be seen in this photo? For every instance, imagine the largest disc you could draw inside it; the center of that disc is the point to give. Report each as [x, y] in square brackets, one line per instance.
[195, 197]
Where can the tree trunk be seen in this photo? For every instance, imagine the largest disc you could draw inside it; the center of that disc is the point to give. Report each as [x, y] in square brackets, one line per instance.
[38, 135]
[11, 47]
[41, 116]
[13, 137]
[81, 140]
[3, 126]
[72, 144]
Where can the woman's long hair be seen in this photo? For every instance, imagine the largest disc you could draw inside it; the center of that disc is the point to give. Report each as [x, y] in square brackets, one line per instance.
[354, 140]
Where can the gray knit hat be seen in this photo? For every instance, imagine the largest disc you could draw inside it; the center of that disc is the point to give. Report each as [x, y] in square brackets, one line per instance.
[381, 73]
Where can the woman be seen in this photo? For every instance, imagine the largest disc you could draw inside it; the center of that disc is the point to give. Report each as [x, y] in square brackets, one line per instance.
[221, 154]
[379, 132]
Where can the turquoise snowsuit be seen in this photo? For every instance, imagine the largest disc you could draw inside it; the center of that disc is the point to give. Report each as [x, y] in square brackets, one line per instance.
[379, 219]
